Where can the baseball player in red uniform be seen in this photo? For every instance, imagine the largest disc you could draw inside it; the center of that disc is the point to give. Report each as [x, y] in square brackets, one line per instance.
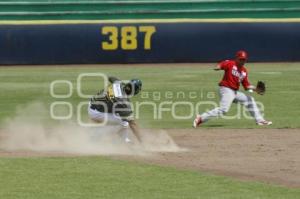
[235, 74]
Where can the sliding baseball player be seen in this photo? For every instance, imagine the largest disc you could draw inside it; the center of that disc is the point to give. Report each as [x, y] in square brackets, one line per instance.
[112, 105]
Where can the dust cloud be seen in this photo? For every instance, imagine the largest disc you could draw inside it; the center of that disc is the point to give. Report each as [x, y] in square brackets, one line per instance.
[31, 129]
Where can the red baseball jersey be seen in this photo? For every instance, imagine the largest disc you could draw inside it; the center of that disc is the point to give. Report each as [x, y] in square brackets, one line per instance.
[233, 75]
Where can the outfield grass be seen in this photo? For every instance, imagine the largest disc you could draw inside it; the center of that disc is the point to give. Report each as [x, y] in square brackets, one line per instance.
[97, 177]
[22, 85]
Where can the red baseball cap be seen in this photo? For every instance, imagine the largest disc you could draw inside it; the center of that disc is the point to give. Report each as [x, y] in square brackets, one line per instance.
[241, 54]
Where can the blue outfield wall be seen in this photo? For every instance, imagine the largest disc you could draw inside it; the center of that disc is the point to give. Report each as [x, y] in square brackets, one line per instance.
[147, 42]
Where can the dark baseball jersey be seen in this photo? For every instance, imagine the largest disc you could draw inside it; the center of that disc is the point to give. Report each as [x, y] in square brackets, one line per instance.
[113, 100]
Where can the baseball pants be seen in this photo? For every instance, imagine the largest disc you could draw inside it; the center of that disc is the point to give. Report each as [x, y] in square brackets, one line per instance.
[112, 119]
[227, 97]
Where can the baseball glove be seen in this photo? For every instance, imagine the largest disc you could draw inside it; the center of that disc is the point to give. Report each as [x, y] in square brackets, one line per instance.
[260, 87]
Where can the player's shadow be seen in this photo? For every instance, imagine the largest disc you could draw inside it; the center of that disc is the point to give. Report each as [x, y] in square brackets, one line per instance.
[214, 125]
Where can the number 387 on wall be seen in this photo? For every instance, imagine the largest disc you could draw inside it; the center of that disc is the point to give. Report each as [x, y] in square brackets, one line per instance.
[126, 37]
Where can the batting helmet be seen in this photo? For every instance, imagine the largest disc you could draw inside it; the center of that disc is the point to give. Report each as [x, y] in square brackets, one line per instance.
[241, 54]
[137, 85]
[133, 87]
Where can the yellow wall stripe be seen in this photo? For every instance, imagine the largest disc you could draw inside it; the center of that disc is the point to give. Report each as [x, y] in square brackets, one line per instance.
[235, 20]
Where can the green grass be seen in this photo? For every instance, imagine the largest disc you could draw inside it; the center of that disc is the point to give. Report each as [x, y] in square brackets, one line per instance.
[97, 177]
[22, 85]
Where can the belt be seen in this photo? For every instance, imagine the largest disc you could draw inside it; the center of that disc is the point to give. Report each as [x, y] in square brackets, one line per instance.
[92, 106]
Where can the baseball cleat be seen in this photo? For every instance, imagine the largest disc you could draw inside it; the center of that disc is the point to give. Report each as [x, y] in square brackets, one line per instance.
[264, 123]
[127, 140]
[197, 121]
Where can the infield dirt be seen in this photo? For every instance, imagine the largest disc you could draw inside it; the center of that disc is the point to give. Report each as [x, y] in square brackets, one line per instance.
[266, 155]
